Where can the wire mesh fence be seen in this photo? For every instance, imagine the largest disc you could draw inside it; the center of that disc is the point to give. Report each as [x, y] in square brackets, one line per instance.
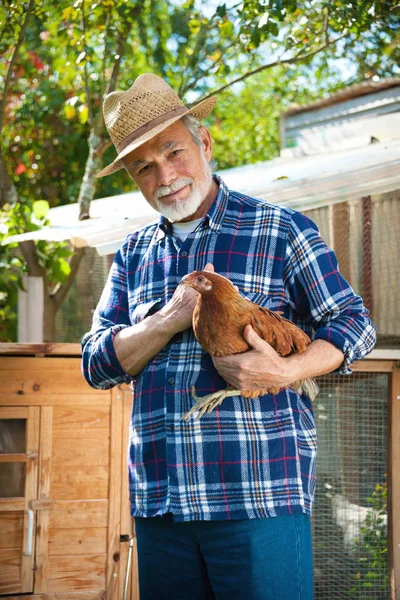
[350, 538]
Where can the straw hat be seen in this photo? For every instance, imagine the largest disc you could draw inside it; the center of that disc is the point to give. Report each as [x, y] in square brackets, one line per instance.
[137, 115]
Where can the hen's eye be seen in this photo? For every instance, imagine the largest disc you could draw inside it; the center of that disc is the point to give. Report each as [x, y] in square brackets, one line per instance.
[200, 279]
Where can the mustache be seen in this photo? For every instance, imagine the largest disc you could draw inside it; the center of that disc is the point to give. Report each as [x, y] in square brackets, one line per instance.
[164, 190]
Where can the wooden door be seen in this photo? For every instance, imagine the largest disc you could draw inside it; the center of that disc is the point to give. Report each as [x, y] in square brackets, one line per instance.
[19, 448]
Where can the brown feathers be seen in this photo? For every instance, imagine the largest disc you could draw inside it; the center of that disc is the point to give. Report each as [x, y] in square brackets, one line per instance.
[221, 315]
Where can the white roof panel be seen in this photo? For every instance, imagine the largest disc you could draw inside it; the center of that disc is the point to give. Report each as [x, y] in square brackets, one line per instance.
[301, 183]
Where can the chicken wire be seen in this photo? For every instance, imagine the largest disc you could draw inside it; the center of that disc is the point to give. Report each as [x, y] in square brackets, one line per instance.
[350, 515]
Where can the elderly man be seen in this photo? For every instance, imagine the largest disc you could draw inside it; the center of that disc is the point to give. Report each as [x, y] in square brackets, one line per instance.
[221, 505]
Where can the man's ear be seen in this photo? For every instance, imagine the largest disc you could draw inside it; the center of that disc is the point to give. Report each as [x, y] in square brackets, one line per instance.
[207, 142]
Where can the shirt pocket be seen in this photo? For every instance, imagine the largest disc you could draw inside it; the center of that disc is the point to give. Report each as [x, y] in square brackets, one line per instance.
[138, 312]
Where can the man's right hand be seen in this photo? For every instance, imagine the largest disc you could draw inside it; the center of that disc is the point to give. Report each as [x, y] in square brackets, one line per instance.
[178, 311]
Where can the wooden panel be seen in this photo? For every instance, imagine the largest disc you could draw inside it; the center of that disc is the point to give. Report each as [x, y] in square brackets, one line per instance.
[31, 490]
[86, 397]
[78, 417]
[373, 366]
[341, 228]
[42, 541]
[49, 348]
[79, 483]
[126, 519]
[10, 571]
[99, 595]
[88, 540]
[11, 528]
[12, 504]
[73, 448]
[12, 458]
[13, 413]
[77, 573]
[31, 364]
[79, 513]
[114, 499]
[43, 380]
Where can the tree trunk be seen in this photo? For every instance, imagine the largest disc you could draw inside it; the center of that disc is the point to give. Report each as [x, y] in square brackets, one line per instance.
[93, 165]
[8, 193]
[49, 319]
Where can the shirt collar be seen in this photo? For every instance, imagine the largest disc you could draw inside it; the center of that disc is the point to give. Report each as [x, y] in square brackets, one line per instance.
[214, 216]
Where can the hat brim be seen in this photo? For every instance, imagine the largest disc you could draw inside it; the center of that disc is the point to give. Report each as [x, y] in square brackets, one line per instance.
[200, 111]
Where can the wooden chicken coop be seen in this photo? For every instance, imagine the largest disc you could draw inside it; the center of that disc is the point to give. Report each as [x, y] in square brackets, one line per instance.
[65, 523]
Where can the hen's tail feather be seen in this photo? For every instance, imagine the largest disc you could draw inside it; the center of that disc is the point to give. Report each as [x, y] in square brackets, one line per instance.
[310, 388]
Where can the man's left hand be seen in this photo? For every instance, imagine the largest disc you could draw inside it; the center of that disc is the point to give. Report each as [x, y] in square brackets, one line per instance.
[258, 368]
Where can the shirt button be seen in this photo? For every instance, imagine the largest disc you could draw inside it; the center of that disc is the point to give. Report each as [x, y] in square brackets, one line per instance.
[184, 254]
[171, 381]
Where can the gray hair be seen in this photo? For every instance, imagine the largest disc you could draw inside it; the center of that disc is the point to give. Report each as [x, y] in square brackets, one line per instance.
[193, 126]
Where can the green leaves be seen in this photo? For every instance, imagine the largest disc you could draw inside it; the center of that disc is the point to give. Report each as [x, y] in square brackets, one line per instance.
[40, 208]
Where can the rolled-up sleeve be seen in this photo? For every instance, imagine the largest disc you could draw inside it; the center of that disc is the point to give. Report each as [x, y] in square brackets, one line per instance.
[100, 365]
[322, 297]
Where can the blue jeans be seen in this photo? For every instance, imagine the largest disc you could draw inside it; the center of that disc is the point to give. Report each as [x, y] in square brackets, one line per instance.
[254, 559]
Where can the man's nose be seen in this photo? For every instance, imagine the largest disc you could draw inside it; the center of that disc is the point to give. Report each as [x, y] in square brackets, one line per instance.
[166, 174]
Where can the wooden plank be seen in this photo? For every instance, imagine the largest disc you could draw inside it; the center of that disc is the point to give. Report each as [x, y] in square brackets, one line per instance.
[12, 504]
[11, 528]
[42, 380]
[13, 458]
[76, 573]
[90, 449]
[114, 498]
[383, 354]
[372, 366]
[394, 485]
[88, 397]
[99, 595]
[79, 483]
[81, 418]
[30, 364]
[43, 516]
[31, 490]
[10, 571]
[85, 540]
[13, 413]
[49, 348]
[126, 519]
[134, 577]
[341, 231]
[79, 513]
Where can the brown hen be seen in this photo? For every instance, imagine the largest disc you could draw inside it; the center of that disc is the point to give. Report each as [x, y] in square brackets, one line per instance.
[219, 320]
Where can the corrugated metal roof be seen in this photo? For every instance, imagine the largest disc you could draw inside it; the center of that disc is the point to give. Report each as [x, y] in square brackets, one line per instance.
[300, 183]
[353, 91]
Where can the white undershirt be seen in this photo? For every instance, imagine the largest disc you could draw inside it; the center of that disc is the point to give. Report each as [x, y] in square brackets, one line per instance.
[182, 230]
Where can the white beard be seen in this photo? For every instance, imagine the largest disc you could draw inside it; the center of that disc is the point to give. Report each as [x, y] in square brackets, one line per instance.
[180, 209]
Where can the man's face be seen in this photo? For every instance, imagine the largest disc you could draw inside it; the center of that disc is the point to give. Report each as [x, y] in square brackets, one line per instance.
[173, 173]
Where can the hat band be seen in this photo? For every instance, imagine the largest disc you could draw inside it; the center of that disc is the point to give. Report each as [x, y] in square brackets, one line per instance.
[150, 125]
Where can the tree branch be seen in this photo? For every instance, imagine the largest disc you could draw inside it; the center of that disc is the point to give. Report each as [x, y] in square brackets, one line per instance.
[61, 291]
[294, 59]
[7, 81]
[116, 66]
[28, 250]
[85, 72]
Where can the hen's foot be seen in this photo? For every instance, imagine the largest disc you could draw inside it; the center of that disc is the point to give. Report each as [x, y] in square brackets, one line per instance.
[207, 403]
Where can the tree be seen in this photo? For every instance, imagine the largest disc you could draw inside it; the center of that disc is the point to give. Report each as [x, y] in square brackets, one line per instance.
[59, 60]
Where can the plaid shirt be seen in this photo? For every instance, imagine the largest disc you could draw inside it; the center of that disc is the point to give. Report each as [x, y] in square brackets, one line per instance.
[248, 458]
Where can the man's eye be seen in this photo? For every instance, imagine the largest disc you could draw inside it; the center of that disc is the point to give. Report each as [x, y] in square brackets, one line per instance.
[176, 152]
[144, 169]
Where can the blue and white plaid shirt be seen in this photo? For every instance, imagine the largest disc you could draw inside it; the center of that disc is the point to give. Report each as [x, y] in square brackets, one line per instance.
[248, 458]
